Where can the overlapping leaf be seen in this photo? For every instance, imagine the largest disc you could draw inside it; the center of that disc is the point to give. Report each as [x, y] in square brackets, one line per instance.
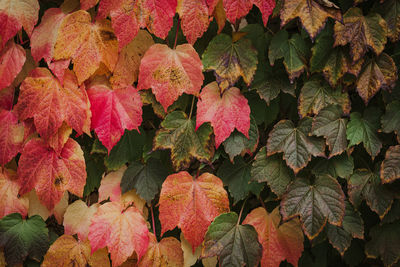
[390, 169]
[391, 120]
[11, 136]
[10, 202]
[191, 204]
[12, 58]
[390, 11]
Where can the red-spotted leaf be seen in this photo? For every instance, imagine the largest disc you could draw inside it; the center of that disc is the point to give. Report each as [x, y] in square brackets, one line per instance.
[113, 111]
[44, 36]
[158, 15]
[17, 14]
[87, 4]
[11, 136]
[171, 72]
[44, 99]
[51, 174]
[122, 230]
[225, 113]
[87, 44]
[191, 204]
[235, 9]
[279, 241]
[12, 58]
[10, 202]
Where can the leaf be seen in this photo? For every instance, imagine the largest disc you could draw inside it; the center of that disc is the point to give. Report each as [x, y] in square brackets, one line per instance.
[391, 120]
[316, 202]
[15, 15]
[110, 185]
[266, 7]
[234, 244]
[87, 44]
[21, 238]
[330, 124]
[377, 73]
[337, 166]
[294, 52]
[237, 177]
[167, 252]
[294, 142]
[178, 134]
[390, 168]
[225, 113]
[365, 184]
[317, 94]
[10, 202]
[37, 208]
[191, 204]
[114, 110]
[272, 170]
[384, 243]
[321, 49]
[11, 136]
[171, 72]
[77, 219]
[122, 230]
[235, 9]
[364, 129]
[87, 4]
[390, 11]
[44, 36]
[361, 32]
[66, 251]
[49, 103]
[51, 174]
[12, 58]
[126, 70]
[230, 60]
[312, 14]
[280, 242]
[146, 178]
[238, 144]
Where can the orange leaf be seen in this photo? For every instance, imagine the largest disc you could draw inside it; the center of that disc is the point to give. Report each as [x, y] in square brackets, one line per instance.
[11, 136]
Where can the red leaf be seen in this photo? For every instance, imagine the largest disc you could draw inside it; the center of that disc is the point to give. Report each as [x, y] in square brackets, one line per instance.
[158, 15]
[236, 9]
[191, 204]
[114, 111]
[266, 7]
[44, 99]
[86, 4]
[122, 230]
[17, 14]
[171, 72]
[12, 58]
[9, 200]
[6, 98]
[51, 174]
[11, 136]
[224, 112]
[167, 252]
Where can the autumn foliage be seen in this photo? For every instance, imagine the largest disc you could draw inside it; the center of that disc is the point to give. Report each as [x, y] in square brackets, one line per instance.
[173, 133]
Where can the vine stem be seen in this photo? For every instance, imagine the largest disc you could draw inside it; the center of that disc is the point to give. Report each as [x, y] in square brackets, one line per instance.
[241, 211]
[152, 219]
[177, 30]
[191, 108]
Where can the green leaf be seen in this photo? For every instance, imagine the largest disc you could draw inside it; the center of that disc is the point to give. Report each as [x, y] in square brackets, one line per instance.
[21, 238]
[390, 168]
[238, 144]
[338, 166]
[178, 134]
[393, 214]
[237, 177]
[128, 149]
[294, 142]
[260, 111]
[317, 94]
[385, 243]
[146, 178]
[294, 52]
[391, 119]
[364, 129]
[322, 49]
[235, 245]
[230, 60]
[94, 169]
[272, 170]
[316, 202]
[365, 184]
[330, 124]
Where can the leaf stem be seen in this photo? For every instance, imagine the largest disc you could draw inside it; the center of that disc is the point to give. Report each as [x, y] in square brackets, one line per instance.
[152, 219]
[191, 108]
[241, 211]
[176, 34]
[262, 202]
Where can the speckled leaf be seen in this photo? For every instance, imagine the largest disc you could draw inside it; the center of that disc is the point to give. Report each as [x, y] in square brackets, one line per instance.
[312, 14]
[272, 170]
[235, 9]
[158, 15]
[365, 184]
[178, 134]
[317, 94]
[12, 58]
[390, 168]
[380, 72]
[235, 245]
[390, 11]
[361, 32]
[191, 204]
[266, 7]
[330, 124]
[11, 136]
[315, 202]
[391, 120]
[294, 142]
[171, 72]
[10, 201]
[231, 60]
[279, 241]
